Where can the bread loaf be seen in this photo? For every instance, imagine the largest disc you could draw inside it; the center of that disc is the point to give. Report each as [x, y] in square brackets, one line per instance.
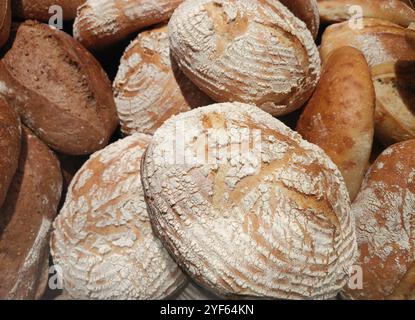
[102, 238]
[248, 51]
[59, 89]
[246, 206]
[149, 88]
[39, 9]
[384, 211]
[340, 116]
[9, 146]
[307, 11]
[100, 23]
[25, 221]
[380, 41]
[5, 21]
[395, 11]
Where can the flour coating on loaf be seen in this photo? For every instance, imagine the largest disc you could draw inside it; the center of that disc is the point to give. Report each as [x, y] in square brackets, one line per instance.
[249, 51]
[273, 224]
[102, 238]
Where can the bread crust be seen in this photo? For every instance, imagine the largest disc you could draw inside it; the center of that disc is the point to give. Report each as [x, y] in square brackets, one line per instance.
[307, 11]
[39, 9]
[5, 21]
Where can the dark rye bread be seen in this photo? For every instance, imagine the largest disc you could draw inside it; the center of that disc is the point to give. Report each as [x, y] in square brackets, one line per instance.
[9, 146]
[25, 221]
[59, 89]
[5, 21]
[39, 9]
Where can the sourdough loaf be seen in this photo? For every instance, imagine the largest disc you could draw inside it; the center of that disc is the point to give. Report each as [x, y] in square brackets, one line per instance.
[26, 219]
[307, 11]
[5, 21]
[59, 89]
[249, 51]
[39, 9]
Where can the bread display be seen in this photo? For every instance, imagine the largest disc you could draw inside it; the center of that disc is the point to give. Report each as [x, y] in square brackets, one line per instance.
[248, 51]
[100, 23]
[384, 211]
[26, 219]
[42, 10]
[340, 116]
[59, 90]
[5, 21]
[395, 11]
[149, 88]
[103, 239]
[9, 147]
[216, 206]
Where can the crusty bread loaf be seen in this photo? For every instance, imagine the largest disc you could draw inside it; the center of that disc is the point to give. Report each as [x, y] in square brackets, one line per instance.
[246, 206]
[379, 40]
[149, 88]
[307, 11]
[25, 221]
[100, 23]
[395, 11]
[5, 20]
[9, 146]
[59, 89]
[248, 51]
[103, 239]
[384, 211]
[340, 116]
[39, 9]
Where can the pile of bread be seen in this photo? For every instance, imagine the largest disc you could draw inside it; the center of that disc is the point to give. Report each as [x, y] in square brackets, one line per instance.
[103, 184]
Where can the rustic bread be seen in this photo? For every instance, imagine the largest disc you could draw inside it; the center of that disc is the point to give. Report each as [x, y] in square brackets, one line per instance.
[380, 41]
[9, 146]
[217, 179]
[384, 211]
[248, 51]
[39, 9]
[307, 11]
[26, 219]
[5, 21]
[100, 23]
[395, 11]
[59, 89]
[103, 239]
[339, 118]
[149, 88]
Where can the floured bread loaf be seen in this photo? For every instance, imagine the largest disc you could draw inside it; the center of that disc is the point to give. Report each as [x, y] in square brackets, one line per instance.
[247, 207]
[102, 238]
[100, 23]
[249, 51]
[5, 20]
[339, 118]
[26, 219]
[39, 9]
[149, 88]
[395, 11]
[384, 211]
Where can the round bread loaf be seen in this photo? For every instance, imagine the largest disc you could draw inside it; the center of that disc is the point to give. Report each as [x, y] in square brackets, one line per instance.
[5, 21]
[247, 207]
[339, 118]
[59, 89]
[39, 9]
[248, 51]
[26, 219]
[384, 211]
[395, 11]
[9, 147]
[103, 240]
[149, 88]
[100, 23]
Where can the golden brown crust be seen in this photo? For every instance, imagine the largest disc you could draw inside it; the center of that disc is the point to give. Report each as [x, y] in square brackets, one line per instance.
[5, 21]
[39, 9]
[339, 118]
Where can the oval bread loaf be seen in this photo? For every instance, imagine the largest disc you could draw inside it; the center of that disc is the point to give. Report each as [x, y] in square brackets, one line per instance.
[247, 207]
[384, 211]
[5, 21]
[103, 239]
[59, 89]
[39, 9]
[149, 88]
[339, 118]
[248, 51]
[26, 219]
[9, 146]
[100, 23]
